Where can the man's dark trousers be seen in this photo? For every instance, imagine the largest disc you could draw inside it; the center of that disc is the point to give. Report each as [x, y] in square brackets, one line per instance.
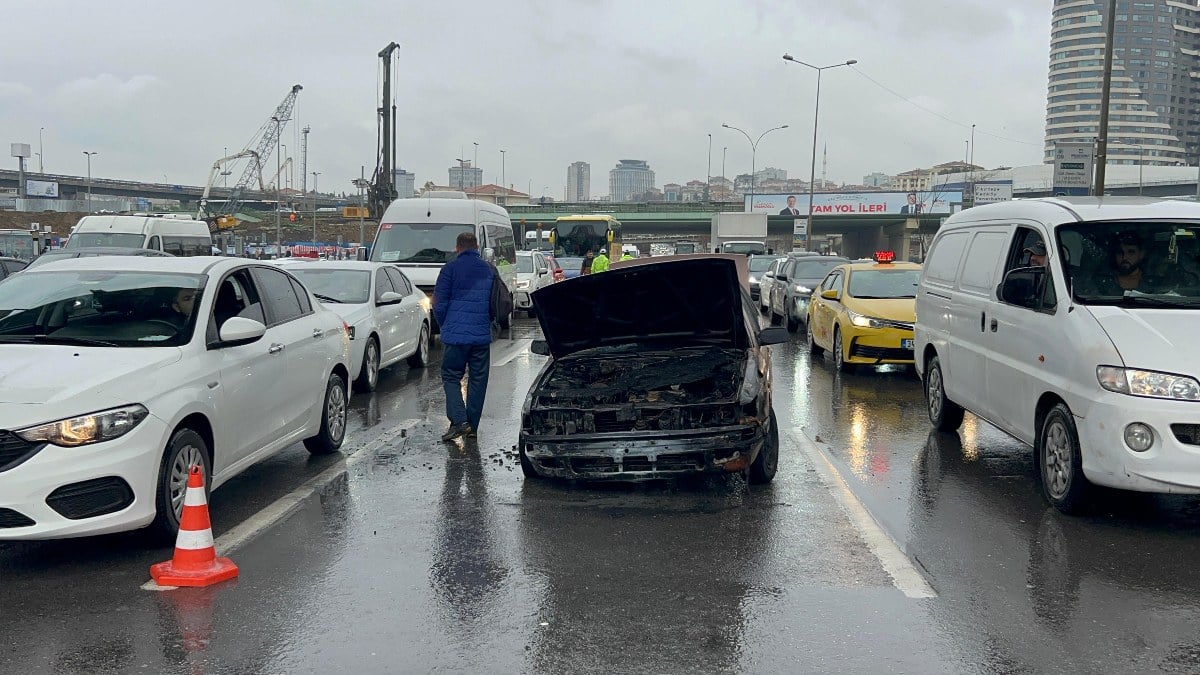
[457, 360]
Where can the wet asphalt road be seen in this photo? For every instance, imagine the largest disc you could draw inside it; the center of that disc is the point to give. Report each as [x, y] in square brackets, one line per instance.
[427, 557]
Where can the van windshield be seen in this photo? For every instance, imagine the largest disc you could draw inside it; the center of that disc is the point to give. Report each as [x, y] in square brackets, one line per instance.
[1132, 264]
[117, 239]
[417, 242]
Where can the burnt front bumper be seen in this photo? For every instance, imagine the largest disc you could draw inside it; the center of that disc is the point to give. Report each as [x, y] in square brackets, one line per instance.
[644, 455]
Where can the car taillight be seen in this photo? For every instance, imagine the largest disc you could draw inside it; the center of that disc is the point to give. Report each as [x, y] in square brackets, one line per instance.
[349, 330]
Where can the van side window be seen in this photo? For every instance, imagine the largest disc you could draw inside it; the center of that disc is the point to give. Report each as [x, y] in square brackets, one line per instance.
[1028, 250]
[155, 243]
[501, 240]
[943, 260]
[980, 264]
[187, 246]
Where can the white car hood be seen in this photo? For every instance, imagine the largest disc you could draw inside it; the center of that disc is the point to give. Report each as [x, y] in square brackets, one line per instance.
[68, 377]
[1153, 339]
[351, 314]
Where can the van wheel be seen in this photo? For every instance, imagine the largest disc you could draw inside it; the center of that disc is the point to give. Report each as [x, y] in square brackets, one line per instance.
[944, 414]
[185, 448]
[793, 325]
[506, 321]
[839, 356]
[775, 318]
[1061, 462]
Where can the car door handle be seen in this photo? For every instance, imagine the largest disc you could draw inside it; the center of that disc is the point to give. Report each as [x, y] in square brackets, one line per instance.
[275, 348]
[994, 325]
[982, 321]
[318, 333]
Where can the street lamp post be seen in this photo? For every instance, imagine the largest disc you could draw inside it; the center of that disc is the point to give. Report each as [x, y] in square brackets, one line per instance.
[503, 178]
[753, 151]
[708, 178]
[314, 175]
[278, 170]
[41, 151]
[89, 164]
[812, 176]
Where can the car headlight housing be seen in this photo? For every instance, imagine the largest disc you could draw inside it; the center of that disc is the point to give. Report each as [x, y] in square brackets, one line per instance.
[802, 290]
[522, 284]
[863, 321]
[95, 427]
[1148, 383]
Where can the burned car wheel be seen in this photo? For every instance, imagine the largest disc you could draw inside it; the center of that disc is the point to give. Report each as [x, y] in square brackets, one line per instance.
[764, 466]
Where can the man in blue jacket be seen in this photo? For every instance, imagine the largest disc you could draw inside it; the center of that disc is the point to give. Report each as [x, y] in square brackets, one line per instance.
[462, 307]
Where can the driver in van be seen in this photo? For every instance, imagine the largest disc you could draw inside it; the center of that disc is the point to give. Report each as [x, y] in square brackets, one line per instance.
[1129, 267]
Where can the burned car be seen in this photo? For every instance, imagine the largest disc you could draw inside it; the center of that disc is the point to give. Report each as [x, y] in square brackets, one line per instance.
[658, 369]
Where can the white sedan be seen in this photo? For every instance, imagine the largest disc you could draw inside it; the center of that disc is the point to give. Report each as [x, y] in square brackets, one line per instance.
[533, 272]
[117, 374]
[387, 315]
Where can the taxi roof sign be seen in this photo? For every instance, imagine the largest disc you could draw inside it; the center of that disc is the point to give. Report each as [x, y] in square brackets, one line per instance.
[885, 256]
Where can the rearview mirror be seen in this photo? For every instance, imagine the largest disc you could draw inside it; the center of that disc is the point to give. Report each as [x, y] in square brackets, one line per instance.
[389, 298]
[769, 275]
[772, 335]
[1022, 287]
[830, 294]
[489, 254]
[237, 331]
[540, 347]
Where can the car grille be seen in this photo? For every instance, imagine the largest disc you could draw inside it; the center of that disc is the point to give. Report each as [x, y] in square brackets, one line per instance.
[1187, 433]
[10, 518]
[594, 465]
[881, 353]
[91, 498]
[900, 325]
[14, 450]
[607, 422]
[688, 461]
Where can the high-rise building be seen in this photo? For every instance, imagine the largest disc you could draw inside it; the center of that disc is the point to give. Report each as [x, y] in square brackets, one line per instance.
[406, 184]
[877, 179]
[465, 176]
[1156, 50]
[579, 182]
[630, 177]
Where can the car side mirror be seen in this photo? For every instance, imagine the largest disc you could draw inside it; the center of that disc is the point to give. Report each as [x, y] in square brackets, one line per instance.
[772, 335]
[540, 347]
[830, 294]
[543, 272]
[1022, 286]
[489, 254]
[389, 298]
[361, 253]
[237, 331]
[768, 275]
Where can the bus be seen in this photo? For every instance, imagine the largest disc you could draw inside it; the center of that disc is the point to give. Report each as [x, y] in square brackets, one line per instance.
[18, 244]
[533, 243]
[575, 236]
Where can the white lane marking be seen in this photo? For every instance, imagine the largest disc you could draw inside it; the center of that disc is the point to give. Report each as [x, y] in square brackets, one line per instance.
[281, 508]
[519, 348]
[905, 576]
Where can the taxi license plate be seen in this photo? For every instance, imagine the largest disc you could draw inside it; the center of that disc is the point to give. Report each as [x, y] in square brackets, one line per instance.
[906, 344]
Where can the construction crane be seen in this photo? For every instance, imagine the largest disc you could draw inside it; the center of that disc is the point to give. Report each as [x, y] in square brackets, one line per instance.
[383, 181]
[258, 150]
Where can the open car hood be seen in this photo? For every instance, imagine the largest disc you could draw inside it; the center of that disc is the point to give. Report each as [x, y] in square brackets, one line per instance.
[685, 299]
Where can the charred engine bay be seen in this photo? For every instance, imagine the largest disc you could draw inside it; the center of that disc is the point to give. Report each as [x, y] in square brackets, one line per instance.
[677, 390]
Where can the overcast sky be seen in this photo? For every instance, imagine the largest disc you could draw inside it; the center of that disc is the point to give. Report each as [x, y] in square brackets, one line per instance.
[159, 89]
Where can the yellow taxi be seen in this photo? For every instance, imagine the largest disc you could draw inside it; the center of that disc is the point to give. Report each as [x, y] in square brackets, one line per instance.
[863, 312]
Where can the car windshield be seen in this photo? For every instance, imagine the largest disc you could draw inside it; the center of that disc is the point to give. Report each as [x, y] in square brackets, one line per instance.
[1132, 264]
[417, 242]
[100, 308]
[118, 239]
[884, 283]
[760, 264]
[570, 263]
[348, 286]
[816, 268]
[746, 248]
[524, 264]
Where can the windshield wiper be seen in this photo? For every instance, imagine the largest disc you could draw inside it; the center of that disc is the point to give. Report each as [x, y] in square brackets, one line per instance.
[326, 298]
[1139, 300]
[57, 339]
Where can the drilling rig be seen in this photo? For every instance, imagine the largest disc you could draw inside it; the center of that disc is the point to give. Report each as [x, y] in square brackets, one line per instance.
[258, 150]
[383, 182]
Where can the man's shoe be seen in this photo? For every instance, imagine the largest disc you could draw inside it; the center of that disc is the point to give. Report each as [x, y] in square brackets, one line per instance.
[471, 433]
[456, 431]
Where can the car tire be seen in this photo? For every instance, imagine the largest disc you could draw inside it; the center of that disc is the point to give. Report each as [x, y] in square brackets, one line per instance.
[333, 419]
[813, 348]
[526, 463]
[839, 355]
[420, 358]
[1060, 462]
[944, 414]
[775, 318]
[793, 325]
[762, 471]
[185, 448]
[368, 375]
[506, 321]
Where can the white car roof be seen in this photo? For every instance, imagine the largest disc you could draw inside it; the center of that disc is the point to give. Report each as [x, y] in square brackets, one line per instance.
[314, 264]
[1061, 210]
[124, 263]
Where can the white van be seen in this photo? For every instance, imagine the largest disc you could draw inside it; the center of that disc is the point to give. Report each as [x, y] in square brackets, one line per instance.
[1070, 323]
[418, 236]
[168, 233]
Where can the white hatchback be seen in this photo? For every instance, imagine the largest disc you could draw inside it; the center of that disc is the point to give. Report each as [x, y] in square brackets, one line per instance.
[533, 272]
[387, 315]
[118, 374]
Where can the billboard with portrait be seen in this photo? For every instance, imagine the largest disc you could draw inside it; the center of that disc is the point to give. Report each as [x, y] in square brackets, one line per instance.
[41, 188]
[857, 203]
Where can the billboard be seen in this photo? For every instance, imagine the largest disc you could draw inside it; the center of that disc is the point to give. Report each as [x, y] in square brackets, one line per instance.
[991, 193]
[858, 203]
[1073, 164]
[41, 188]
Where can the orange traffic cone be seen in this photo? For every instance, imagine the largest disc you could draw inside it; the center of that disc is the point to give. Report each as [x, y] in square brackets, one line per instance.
[195, 562]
